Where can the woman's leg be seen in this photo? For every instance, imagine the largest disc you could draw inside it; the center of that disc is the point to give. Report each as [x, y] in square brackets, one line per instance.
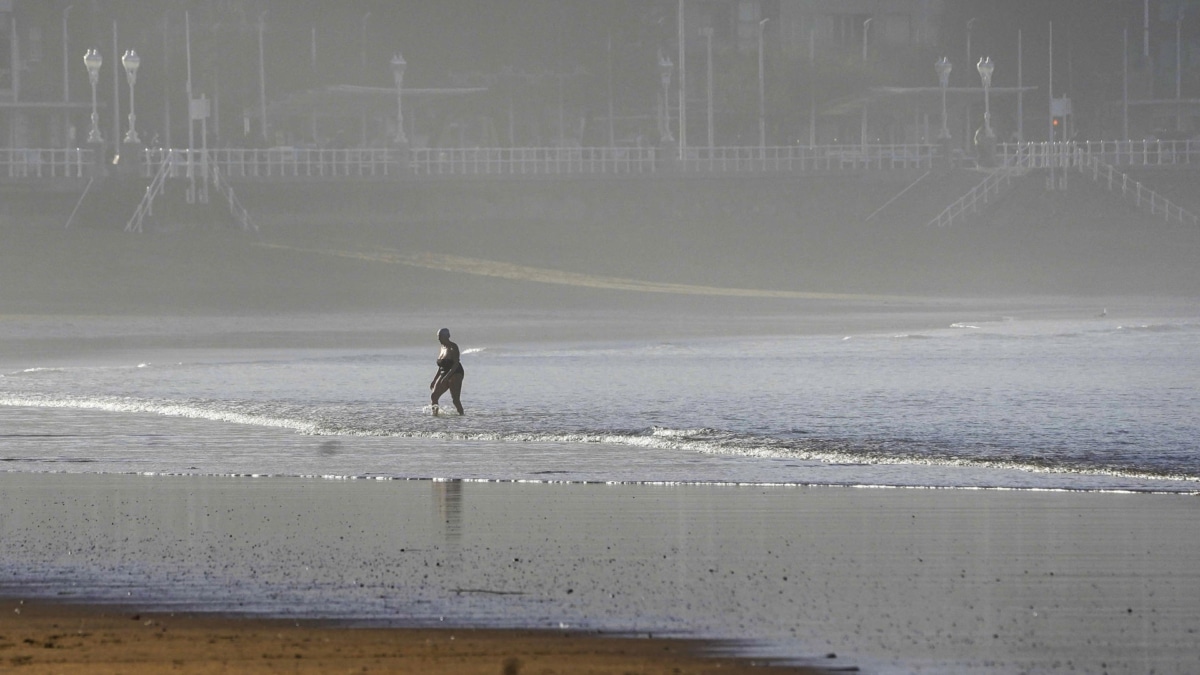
[439, 388]
[455, 386]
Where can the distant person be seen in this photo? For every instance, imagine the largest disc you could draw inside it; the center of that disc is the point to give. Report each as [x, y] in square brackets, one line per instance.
[450, 373]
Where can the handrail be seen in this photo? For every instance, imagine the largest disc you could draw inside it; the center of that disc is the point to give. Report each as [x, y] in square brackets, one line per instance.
[896, 196]
[288, 163]
[1144, 153]
[24, 163]
[1140, 194]
[990, 186]
[236, 209]
[79, 202]
[153, 190]
[636, 160]
[550, 161]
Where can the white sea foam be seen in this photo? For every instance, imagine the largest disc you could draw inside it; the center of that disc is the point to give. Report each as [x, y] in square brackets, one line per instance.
[166, 408]
[1066, 401]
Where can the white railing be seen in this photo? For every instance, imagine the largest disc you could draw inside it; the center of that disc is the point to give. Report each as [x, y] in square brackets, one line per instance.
[569, 161]
[146, 206]
[533, 161]
[19, 163]
[293, 163]
[987, 190]
[1150, 153]
[1141, 196]
[287, 162]
[239, 212]
[823, 158]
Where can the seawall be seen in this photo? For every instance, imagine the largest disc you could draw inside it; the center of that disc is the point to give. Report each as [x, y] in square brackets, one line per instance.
[860, 233]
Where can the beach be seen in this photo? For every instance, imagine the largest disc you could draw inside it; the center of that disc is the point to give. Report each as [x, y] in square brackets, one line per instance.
[883, 580]
[526, 572]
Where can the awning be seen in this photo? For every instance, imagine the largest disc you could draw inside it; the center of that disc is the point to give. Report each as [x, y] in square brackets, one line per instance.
[875, 95]
[344, 100]
[45, 105]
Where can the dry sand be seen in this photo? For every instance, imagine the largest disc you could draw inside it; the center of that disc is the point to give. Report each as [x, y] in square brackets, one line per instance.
[39, 638]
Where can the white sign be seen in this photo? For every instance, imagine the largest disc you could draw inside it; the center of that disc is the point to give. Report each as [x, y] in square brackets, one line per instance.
[1060, 107]
[199, 108]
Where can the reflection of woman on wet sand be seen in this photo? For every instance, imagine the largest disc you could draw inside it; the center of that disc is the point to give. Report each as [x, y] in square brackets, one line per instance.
[448, 507]
[450, 373]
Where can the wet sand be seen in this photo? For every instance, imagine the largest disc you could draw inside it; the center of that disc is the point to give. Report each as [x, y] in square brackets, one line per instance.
[887, 581]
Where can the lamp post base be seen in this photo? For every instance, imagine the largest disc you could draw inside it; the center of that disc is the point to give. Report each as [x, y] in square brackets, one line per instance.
[946, 161]
[985, 146]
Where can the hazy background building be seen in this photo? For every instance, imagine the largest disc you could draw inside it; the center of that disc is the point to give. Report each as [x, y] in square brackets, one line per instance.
[548, 73]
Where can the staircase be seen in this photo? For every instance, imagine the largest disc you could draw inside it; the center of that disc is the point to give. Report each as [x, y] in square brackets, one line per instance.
[146, 206]
[1141, 196]
[987, 190]
[239, 212]
[211, 175]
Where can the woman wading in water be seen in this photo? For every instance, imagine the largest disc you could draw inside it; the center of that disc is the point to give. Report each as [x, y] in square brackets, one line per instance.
[450, 373]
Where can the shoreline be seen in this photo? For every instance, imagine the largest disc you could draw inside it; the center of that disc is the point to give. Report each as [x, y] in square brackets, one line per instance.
[350, 328]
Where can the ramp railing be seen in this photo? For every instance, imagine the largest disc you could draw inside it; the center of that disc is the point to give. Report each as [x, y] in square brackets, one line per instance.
[987, 190]
[1132, 190]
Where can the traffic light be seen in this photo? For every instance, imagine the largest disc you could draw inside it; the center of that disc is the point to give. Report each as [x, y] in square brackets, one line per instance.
[1059, 109]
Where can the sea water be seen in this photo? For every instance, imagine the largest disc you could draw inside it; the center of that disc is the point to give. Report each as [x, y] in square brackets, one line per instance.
[1087, 403]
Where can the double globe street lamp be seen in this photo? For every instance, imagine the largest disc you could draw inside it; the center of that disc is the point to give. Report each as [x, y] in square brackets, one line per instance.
[943, 67]
[398, 66]
[665, 68]
[986, 144]
[93, 61]
[131, 61]
[985, 68]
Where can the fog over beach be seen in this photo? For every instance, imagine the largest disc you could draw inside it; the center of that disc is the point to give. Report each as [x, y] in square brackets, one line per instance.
[766, 244]
[578, 271]
[743, 388]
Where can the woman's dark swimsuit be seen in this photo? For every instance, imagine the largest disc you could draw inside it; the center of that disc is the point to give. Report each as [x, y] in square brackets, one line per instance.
[448, 367]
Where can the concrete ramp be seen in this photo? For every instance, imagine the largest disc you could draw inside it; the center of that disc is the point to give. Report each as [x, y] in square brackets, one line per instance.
[1133, 191]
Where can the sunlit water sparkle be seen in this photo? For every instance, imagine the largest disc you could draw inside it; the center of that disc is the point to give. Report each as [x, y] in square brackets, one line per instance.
[1091, 404]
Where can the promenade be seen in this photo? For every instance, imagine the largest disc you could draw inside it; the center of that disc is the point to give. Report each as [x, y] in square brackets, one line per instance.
[56, 167]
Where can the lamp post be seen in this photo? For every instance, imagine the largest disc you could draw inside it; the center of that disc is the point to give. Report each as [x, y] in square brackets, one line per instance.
[707, 32]
[398, 66]
[1179, 54]
[679, 21]
[262, 80]
[93, 61]
[985, 68]
[362, 73]
[762, 100]
[362, 42]
[866, 34]
[970, 27]
[131, 61]
[66, 55]
[943, 67]
[664, 72]
[1178, 68]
